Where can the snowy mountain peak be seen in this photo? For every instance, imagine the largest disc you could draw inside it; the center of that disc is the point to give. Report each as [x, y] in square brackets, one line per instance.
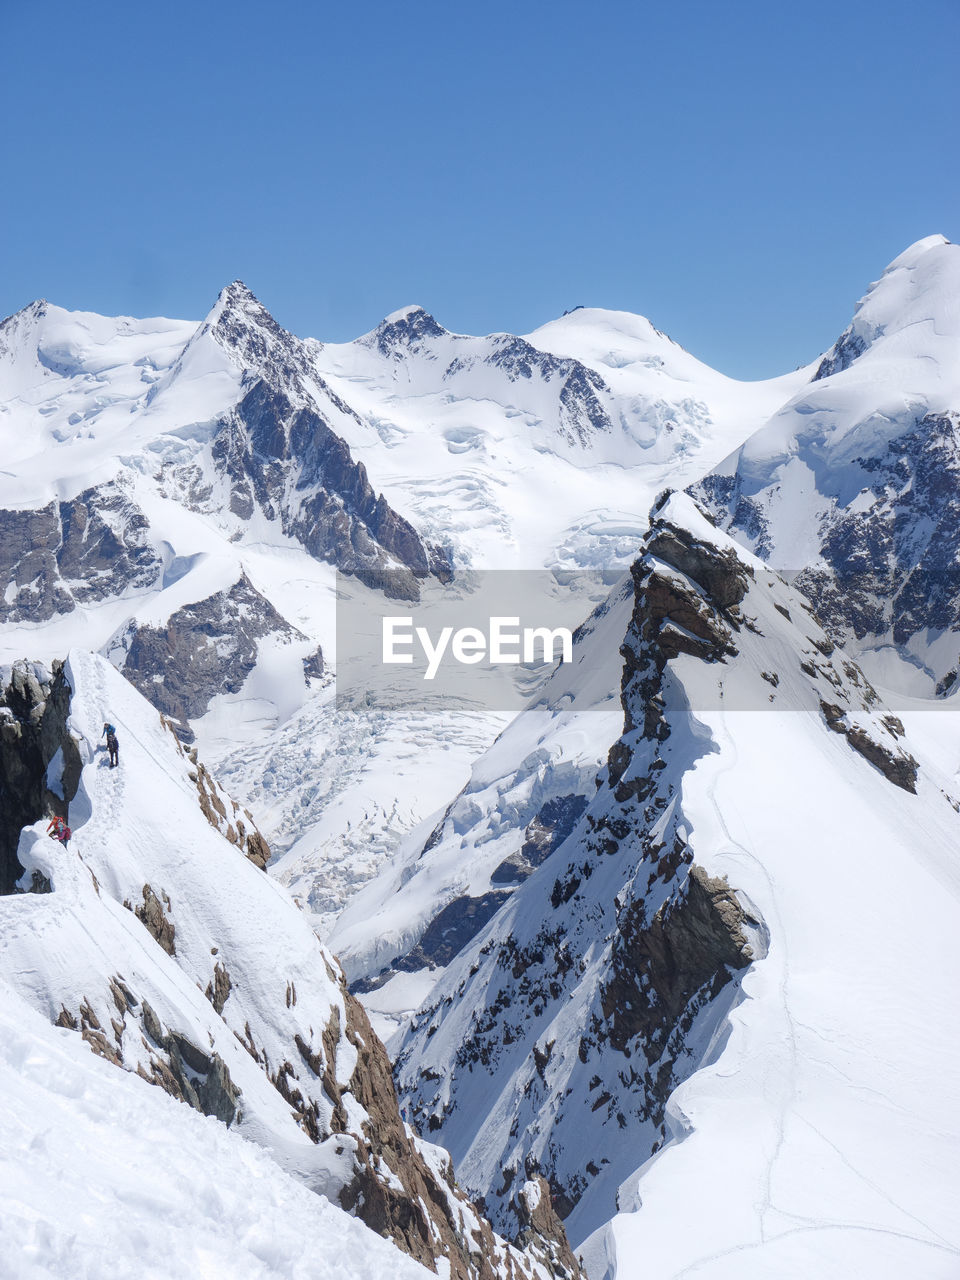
[854, 481]
[919, 287]
[236, 298]
[912, 254]
[627, 323]
[405, 329]
[235, 313]
[33, 310]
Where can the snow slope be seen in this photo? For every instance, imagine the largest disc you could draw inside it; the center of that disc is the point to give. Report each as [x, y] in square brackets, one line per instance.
[854, 480]
[100, 1175]
[544, 450]
[803, 1008]
[176, 959]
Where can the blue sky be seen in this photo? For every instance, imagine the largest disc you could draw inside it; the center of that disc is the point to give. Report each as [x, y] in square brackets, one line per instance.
[736, 172]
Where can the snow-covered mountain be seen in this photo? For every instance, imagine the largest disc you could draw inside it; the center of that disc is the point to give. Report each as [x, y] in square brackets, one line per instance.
[152, 938]
[177, 496]
[100, 1175]
[855, 481]
[668, 955]
[757, 902]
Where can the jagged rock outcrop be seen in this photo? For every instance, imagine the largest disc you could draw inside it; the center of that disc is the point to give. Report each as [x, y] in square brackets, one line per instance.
[224, 814]
[39, 760]
[659, 966]
[155, 920]
[281, 456]
[604, 979]
[71, 553]
[618, 923]
[541, 1229]
[425, 1176]
[893, 762]
[205, 648]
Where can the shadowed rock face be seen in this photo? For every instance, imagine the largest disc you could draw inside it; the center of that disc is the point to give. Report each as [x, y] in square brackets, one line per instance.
[889, 564]
[69, 553]
[660, 966]
[474, 1254]
[205, 648]
[34, 706]
[282, 456]
[546, 832]
[626, 928]
[450, 930]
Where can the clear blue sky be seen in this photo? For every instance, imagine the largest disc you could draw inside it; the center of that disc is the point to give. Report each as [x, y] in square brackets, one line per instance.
[737, 172]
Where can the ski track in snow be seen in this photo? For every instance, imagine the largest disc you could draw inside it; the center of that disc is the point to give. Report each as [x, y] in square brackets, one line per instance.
[789, 1103]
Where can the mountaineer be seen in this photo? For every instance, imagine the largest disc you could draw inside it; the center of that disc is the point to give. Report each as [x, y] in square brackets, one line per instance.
[113, 746]
[57, 829]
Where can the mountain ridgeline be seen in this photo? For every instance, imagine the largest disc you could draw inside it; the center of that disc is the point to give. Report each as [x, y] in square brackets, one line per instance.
[678, 933]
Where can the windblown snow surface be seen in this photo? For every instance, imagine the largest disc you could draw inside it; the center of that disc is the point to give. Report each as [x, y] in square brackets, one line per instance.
[102, 1175]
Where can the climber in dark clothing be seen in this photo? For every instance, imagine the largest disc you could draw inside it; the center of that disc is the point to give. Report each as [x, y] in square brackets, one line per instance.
[113, 746]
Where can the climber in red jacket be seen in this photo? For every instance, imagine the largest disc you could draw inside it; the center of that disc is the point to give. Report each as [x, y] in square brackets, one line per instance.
[58, 830]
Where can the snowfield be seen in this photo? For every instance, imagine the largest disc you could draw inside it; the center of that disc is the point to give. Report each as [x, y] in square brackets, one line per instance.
[103, 1175]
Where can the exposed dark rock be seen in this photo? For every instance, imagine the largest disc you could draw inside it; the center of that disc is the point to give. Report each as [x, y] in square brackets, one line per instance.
[34, 707]
[399, 1212]
[544, 833]
[895, 764]
[281, 455]
[219, 987]
[313, 665]
[77, 552]
[151, 914]
[204, 649]
[889, 563]
[451, 929]
[198, 1078]
[406, 332]
[848, 347]
[692, 610]
[659, 966]
[721, 575]
[541, 1228]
